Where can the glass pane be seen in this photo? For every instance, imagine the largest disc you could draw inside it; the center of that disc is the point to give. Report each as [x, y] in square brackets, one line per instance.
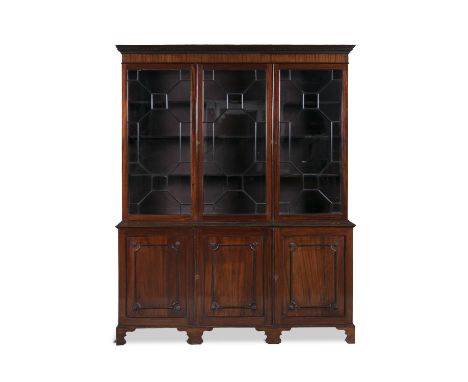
[159, 128]
[310, 141]
[234, 142]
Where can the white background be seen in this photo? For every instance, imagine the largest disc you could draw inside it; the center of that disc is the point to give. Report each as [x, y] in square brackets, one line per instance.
[60, 190]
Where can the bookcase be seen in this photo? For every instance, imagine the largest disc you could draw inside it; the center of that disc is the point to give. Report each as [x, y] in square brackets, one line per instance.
[235, 200]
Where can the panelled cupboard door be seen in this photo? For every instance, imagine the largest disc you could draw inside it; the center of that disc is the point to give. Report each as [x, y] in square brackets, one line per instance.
[310, 276]
[158, 267]
[234, 285]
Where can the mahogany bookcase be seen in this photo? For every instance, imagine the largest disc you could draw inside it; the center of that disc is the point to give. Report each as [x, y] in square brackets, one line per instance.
[235, 178]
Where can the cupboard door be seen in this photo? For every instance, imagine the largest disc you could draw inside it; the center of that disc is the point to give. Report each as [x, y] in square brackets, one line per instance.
[309, 140]
[310, 275]
[158, 270]
[235, 271]
[158, 152]
[235, 131]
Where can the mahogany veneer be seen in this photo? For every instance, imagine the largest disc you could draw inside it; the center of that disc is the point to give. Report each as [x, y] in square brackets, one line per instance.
[234, 194]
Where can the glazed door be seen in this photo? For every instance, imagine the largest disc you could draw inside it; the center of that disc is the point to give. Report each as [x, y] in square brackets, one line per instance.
[158, 271]
[234, 268]
[309, 274]
[159, 148]
[310, 128]
[235, 135]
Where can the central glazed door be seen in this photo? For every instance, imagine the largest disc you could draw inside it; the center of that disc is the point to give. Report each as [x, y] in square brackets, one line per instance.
[235, 104]
[234, 268]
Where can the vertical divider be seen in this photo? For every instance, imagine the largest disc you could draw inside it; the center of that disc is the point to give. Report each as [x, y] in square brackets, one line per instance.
[199, 142]
[195, 278]
[344, 143]
[194, 129]
[275, 161]
[124, 144]
[270, 185]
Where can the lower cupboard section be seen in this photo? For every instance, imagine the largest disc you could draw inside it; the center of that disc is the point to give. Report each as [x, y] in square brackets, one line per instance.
[271, 279]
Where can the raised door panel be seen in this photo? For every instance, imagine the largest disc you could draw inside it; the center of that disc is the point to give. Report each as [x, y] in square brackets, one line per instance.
[310, 276]
[158, 269]
[234, 268]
